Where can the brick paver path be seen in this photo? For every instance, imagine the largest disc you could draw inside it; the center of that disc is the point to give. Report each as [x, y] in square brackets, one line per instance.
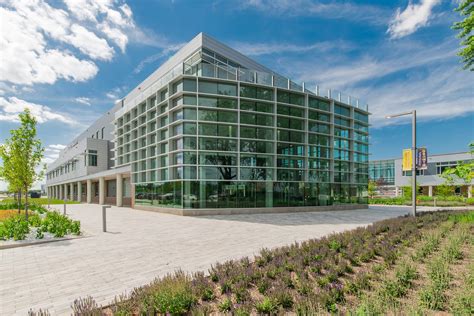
[143, 245]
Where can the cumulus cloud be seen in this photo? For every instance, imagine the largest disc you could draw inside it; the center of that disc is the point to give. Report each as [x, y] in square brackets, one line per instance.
[412, 18]
[83, 100]
[40, 43]
[11, 107]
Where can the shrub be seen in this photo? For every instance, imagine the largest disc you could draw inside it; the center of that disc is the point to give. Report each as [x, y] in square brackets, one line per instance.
[225, 305]
[60, 225]
[267, 306]
[172, 294]
[15, 227]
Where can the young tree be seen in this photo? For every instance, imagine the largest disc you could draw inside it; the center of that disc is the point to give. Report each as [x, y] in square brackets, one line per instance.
[466, 26]
[21, 155]
[7, 173]
[463, 171]
[371, 190]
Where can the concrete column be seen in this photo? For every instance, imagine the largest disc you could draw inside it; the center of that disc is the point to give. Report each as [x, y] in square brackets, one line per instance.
[60, 191]
[430, 190]
[101, 190]
[397, 191]
[79, 191]
[89, 191]
[71, 191]
[469, 191]
[119, 193]
[65, 195]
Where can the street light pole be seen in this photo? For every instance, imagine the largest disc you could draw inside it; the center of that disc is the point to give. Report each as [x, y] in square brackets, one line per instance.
[413, 152]
[413, 167]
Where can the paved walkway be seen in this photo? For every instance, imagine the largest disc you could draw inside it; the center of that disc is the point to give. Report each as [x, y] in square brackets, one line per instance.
[143, 245]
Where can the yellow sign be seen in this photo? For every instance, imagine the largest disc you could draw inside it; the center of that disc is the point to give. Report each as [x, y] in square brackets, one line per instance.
[407, 160]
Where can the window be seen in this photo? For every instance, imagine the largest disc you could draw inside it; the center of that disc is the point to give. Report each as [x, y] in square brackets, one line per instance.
[290, 110]
[318, 128]
[102, 132]
[256, 119]
[318, 104]
[341, 121]
[92, 158]
[292, 98]
[217, 88]
[255, 132]
[218, 102]
[256, 92]
[292, 123]
[314, 115]
[441, 166]
[218, 116]
[342, 110]
[361, 117]
[256, 106]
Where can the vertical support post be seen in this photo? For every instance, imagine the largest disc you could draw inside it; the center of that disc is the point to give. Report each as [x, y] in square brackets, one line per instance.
[413, 171]
[101, 190]
[89, 191]
[430, 190]
[79, 191]
[104, 217]
[119, 191]
[65, 201]
[469, 191]
[71, 193]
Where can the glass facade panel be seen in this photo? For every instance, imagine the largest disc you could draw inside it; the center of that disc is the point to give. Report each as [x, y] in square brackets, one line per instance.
[243, 145]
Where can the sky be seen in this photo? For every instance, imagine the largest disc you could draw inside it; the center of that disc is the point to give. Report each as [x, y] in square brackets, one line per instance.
[69, 61]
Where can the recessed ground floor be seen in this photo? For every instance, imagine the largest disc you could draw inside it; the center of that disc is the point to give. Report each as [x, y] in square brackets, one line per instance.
[425, 189]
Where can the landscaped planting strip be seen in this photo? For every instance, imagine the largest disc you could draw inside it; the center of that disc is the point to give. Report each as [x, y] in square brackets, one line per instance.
[305, 277]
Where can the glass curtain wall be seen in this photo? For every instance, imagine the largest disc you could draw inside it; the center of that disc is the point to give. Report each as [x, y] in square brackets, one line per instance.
[207, 142]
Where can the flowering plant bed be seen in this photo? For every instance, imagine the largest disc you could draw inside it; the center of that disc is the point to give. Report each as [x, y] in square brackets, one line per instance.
[379, 269]
[41, 224]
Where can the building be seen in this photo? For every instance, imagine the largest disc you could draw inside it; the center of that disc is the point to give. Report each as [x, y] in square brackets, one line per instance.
[213, 132]
[390, 178]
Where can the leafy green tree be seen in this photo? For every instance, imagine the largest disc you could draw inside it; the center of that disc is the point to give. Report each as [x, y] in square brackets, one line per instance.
[463, 171]
[22, 154]
[465, 27]
[444, 190]
[371, 189]
[407, 190]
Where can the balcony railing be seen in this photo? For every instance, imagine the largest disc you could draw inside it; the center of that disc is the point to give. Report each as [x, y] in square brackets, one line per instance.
[243, 75]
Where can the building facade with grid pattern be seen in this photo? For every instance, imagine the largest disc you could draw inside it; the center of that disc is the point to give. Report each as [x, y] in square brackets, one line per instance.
[213, 132]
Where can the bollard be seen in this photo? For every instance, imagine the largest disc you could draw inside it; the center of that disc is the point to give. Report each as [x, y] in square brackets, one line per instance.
[104, 218]
[64, 212]
[49, 202]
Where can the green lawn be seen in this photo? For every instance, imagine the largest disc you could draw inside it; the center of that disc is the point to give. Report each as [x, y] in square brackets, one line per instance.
[43, 201]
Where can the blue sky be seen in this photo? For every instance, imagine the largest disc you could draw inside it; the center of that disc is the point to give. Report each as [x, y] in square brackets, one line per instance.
[69, 60]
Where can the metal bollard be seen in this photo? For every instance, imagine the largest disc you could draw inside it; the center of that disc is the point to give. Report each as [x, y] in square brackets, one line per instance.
[104, 217]
[64, 212]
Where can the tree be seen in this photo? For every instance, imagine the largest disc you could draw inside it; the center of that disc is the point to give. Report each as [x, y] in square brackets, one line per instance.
[22, 154]
[7, 172]
[444, 190]
[465, 27]
[371, 189]
[407, 190]
[463, 171]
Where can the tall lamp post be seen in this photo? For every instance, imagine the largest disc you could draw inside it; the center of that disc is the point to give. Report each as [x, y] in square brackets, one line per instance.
[413, 152]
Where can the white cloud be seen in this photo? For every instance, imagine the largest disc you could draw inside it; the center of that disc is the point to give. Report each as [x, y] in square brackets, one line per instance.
[155, 57]
[395, 77]
[412, 18]
[258, 49]
[41, 44]
[329, 10]
[51, 152]
[11, 107]
[83, 100]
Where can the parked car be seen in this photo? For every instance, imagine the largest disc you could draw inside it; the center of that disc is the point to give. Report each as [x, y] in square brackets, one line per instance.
[35, 194]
